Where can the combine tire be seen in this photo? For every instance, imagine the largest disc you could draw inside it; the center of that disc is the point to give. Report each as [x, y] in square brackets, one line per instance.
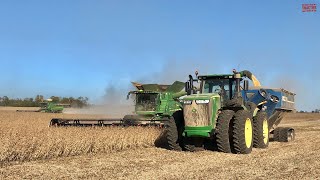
[223, 131]
[260, 130]
[172, 135]
[242, 132]
[286, 134]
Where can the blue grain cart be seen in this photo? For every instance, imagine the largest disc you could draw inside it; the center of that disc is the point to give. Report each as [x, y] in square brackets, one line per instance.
[276, 102]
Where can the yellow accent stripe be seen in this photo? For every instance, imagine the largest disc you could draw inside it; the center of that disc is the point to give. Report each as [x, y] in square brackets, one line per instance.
[248, 132]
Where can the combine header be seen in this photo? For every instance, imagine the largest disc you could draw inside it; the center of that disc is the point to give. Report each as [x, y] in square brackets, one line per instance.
[49, 107]
[154, 103]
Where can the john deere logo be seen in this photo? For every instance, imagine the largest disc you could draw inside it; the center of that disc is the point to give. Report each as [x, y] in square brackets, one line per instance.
[194, 113]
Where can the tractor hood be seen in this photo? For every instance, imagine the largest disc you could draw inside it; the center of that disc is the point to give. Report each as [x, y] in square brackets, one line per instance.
[204, 96]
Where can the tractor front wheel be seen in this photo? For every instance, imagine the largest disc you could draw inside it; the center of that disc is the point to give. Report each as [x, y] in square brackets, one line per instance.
[222, 131]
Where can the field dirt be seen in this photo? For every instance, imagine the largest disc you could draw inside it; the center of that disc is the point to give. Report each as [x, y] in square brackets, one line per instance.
[299, 159]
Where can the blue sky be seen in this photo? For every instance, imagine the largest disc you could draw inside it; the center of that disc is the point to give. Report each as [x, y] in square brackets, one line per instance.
[82, 47]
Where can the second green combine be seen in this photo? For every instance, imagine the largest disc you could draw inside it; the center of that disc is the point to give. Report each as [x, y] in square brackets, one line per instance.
[48, 106]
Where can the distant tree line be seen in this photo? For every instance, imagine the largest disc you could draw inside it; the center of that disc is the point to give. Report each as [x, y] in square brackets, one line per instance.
[314, 111]
[35, 102]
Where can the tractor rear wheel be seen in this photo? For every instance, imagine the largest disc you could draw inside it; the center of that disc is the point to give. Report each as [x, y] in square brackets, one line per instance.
[172, 135]
[260, 130]
[242, 132]
[222, 131]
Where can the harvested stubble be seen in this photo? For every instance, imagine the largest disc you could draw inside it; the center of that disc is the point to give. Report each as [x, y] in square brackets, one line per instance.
[28, 137]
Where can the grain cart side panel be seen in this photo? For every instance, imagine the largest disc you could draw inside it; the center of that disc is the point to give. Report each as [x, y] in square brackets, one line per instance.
[285, 104]
[280, 102]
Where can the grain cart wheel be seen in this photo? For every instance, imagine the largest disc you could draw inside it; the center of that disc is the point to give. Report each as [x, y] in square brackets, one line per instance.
[223, 131]
[260, 130]
[172, 135]
[276, 133]
[286, 134]
[242, 132]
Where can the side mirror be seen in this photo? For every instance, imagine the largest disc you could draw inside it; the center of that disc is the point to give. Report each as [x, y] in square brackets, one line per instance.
[189, 86]
[186, 86]
[246, 85]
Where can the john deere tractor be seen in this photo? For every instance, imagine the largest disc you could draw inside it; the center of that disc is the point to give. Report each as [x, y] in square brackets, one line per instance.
[223, 110]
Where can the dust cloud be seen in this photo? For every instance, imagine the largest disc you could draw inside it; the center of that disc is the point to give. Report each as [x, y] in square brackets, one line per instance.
[114, 102]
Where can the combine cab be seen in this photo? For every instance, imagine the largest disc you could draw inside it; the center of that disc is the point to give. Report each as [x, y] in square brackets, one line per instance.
[154, 104]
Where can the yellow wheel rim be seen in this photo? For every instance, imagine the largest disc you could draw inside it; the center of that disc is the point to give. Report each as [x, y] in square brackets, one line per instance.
[248, 132]
[265, 129]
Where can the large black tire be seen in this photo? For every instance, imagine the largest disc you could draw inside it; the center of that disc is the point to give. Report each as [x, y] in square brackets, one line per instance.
[286, 134]
[276, 133]
[260, 130]
[172, 135]
[222, 131]
[188, 144]
[251, 106]
[242, 132]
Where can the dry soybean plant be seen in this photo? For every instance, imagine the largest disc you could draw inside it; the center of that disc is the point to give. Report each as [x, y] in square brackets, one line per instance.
[25, 138]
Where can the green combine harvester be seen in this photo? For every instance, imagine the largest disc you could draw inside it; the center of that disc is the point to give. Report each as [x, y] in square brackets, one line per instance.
[48, 107]
[154, 104]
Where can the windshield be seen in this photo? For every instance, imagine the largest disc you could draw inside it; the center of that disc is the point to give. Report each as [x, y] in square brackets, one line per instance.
[43, 105]
[220, 86]
[146, 101]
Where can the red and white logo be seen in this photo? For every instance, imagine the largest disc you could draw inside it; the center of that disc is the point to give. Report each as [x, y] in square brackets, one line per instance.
[309, 7]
